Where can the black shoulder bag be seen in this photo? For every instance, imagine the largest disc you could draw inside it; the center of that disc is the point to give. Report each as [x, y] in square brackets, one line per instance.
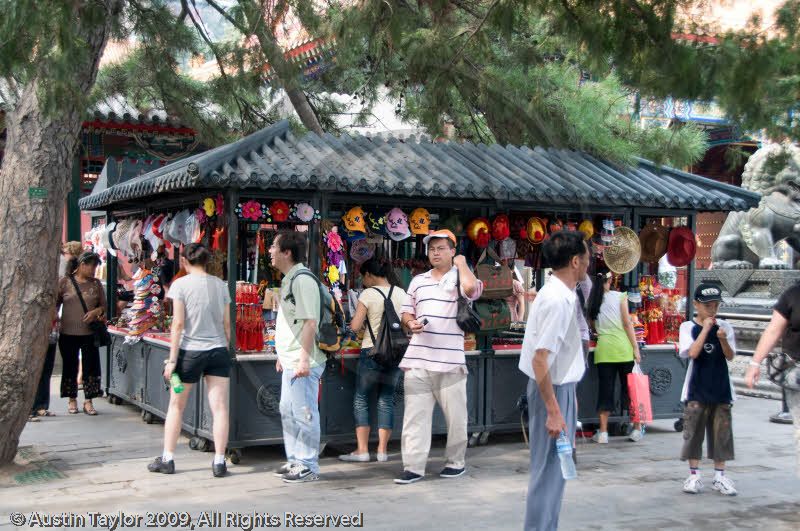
[390, 346]
[467, 318]
[99, 329]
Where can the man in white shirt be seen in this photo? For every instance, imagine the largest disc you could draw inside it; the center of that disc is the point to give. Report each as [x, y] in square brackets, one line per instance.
[552, 356]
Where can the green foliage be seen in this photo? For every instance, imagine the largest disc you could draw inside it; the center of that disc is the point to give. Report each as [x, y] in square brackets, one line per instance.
[754, 76]
[44, 38]
[498, 73]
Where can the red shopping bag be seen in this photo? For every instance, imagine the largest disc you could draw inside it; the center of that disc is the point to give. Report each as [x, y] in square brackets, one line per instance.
[639, 393]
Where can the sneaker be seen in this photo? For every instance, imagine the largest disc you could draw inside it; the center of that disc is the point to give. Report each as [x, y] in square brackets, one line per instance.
[300, 474]
[636, 435]
[693, 484]
[355, 458]
[162, 467]
[283, 470]
[601, 437]
[382, 457]
[724, 485]
[450, 472]
[407, 477]
[219, 469]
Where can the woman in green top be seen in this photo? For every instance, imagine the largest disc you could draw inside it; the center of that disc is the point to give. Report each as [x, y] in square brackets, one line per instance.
[616, 348]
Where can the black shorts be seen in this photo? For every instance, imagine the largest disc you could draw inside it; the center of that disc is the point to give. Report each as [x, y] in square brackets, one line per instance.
[192, 364]
[607, 375]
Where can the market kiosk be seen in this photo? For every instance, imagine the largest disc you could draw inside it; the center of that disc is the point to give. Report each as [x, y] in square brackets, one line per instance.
[235, 198]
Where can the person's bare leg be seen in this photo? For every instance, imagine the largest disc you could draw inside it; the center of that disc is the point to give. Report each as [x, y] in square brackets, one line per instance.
[362, 436]
[172, 424]
[604, 420]
[218, 401]
[383, 440]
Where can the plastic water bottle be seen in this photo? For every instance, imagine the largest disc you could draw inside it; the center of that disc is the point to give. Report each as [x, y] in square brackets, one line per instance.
[564, 450]
[176, 383]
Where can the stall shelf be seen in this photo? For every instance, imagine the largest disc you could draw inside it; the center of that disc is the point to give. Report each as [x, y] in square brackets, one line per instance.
[323, 171]
[506, 384]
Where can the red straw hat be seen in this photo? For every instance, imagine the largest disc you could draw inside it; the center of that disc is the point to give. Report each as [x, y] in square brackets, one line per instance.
[682, 246]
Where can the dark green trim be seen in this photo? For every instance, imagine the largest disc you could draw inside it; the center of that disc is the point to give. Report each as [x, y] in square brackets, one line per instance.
[73, 212]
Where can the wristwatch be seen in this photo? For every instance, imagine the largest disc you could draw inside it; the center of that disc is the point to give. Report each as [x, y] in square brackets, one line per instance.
[754, 364]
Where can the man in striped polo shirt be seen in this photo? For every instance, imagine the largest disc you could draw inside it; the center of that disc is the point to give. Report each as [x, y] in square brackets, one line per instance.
[434, 365]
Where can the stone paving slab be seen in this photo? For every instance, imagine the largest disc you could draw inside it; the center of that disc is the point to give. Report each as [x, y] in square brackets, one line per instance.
[622, 485]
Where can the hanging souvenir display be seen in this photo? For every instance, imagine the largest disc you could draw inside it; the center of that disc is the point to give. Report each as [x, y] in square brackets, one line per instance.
[279, 211]
[335, 246]
[479, 232]
[209, 206]
[587, 228]
[501, 227]
[304, 212]
[252, 210]
[420, 221]
[397, 225]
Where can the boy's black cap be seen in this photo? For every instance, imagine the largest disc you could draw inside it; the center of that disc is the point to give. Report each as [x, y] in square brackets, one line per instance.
[707, 293]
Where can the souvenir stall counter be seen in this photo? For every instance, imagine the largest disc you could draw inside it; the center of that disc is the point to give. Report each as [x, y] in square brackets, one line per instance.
[359, 198]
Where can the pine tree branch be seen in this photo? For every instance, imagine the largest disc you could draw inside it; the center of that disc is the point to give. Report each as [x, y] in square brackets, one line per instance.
[465, 7]
[244, 31]
[466, 42]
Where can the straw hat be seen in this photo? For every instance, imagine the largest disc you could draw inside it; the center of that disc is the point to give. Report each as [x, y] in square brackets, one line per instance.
[681, 247]
[624, 252]
[653, 240]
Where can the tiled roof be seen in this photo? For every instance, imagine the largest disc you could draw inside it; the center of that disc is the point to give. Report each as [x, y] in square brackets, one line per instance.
[274, 158]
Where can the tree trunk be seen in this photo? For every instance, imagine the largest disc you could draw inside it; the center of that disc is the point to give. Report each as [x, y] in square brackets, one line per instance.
[39, 153]
[286, 73]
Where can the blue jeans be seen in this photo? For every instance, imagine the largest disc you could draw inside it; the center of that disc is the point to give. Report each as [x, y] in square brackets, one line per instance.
[300, 417]
[370, 374]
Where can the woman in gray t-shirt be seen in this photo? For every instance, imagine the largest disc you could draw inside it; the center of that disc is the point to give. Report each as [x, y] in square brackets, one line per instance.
[201, 332]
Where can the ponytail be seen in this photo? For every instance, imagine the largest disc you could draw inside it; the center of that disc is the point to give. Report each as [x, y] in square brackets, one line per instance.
[598, 292]
[374, 267]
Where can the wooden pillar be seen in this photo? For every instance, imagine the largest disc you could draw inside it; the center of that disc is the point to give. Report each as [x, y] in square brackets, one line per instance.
[111, 278]
[231, 199]
[319, 202]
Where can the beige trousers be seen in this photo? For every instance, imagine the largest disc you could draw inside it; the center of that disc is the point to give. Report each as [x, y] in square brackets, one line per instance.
[421, 388]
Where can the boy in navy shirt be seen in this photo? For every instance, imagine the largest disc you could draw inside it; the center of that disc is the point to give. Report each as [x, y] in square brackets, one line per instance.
[709, 344]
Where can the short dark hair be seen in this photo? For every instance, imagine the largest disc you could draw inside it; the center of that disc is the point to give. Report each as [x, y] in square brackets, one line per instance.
[196, 254]
[294, 242]
[376, 268]
[562, 245]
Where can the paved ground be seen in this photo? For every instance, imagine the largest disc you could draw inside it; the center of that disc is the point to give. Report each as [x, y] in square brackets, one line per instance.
[97, 465]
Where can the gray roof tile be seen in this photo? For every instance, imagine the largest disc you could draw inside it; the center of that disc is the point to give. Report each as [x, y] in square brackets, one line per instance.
[275, 159]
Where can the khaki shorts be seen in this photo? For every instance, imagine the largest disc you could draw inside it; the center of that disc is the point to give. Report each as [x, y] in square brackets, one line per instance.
[711, 421]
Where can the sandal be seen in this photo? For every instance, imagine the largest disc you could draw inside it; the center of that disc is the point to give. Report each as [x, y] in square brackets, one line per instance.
[33, 418]
[91, 411]
[45, 413]
[73, 407]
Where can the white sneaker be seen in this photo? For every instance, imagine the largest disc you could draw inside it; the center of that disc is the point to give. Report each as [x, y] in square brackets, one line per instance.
[382, 457]
[724, 485]
[601, 437]
[636, 435]
[693, 484]
[355, 458]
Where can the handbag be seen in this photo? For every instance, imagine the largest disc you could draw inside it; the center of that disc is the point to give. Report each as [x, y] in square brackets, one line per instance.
[495, 315]
[98, 328]
[640, 409]
[498, 280]
[467, 318]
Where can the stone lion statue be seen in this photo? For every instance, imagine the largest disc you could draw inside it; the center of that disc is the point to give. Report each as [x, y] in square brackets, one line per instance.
[747, 239]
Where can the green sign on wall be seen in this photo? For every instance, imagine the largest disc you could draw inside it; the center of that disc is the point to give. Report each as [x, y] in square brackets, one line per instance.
[37, 193]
